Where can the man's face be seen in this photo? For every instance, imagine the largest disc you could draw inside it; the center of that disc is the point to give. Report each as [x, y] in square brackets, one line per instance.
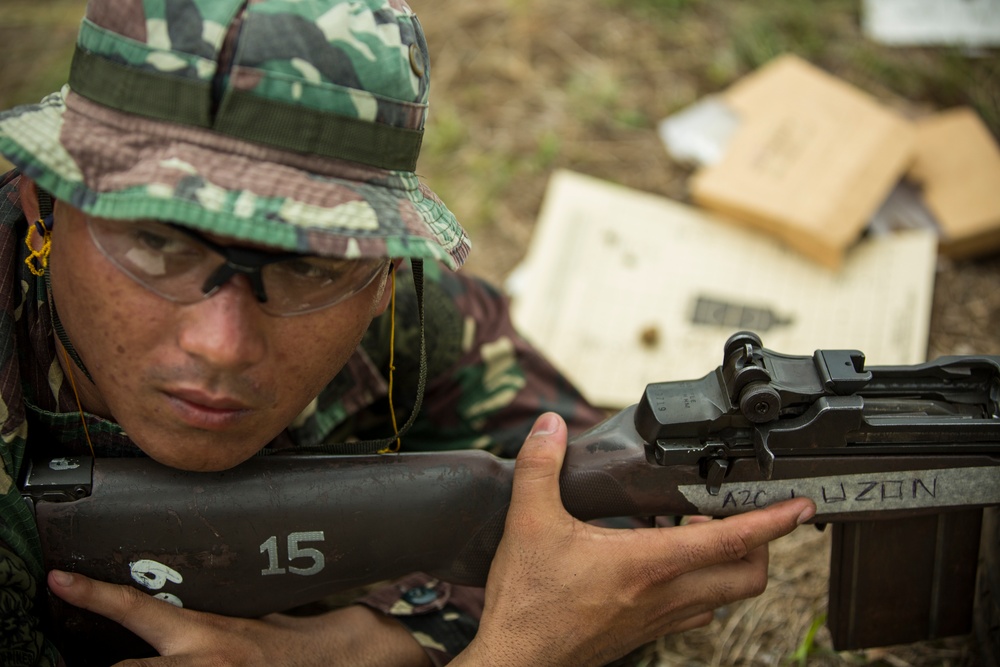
[199, 386]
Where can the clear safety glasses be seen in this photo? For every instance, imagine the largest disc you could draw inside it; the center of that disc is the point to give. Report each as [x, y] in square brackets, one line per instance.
[185, 267]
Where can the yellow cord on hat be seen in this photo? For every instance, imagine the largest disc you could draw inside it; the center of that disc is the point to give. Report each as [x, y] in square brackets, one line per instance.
[40, 256]
[79, 405]
[392, 366]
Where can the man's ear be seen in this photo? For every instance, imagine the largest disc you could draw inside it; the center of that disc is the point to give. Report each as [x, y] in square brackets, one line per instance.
[28, 192]
[387, 288]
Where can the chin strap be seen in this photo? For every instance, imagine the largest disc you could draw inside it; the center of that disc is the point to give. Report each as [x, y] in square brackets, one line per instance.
[61, 333]
[392, 366]
[391, 444]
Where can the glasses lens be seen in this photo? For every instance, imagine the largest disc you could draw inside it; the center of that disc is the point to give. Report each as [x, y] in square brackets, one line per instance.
[159, 257]
[177, 265]
[305, 284]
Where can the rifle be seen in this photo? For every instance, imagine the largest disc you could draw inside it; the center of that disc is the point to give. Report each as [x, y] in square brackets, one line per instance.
[908, 443]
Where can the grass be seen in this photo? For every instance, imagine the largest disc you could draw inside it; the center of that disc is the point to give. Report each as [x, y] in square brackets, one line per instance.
[38, 39]
[808, 645]
[600, 75]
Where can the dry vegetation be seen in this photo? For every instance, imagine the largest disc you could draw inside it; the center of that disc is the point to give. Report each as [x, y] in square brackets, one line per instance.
[522, 87]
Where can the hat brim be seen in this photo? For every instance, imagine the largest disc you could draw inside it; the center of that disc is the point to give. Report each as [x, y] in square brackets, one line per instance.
[117, 165]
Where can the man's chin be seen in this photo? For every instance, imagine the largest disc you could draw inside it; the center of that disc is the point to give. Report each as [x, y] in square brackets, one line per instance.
[210, 457]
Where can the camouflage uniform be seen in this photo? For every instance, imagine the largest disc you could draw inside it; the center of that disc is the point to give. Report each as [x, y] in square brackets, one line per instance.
[485, 387]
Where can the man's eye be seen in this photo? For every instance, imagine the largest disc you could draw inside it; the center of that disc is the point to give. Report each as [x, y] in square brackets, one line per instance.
[161, 243]
[304, 270]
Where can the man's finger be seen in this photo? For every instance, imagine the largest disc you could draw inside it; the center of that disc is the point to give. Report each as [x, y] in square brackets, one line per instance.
[136, 611]
[708, 543]
[715, 586]
[697, 621]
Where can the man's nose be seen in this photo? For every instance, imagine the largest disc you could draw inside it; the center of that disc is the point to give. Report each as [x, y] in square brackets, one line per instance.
[227, 330]
[226, 272]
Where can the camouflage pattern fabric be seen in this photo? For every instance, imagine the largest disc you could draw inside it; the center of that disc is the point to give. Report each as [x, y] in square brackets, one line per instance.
[293, 124]
[486, 385]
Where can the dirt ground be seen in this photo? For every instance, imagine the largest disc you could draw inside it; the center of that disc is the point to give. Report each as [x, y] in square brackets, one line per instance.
[523, 87]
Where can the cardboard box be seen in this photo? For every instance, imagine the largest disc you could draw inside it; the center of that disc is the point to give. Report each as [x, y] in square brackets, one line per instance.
[957, 165]
[811, 161]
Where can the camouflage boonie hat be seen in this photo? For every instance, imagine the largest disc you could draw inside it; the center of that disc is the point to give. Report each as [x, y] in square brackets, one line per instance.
[291, 124]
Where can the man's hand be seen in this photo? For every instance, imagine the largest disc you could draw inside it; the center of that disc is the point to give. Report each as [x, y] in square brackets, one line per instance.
[564, 592]
[350, 636]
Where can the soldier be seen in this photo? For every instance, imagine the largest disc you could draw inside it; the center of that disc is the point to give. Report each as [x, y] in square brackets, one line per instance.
[202, 238]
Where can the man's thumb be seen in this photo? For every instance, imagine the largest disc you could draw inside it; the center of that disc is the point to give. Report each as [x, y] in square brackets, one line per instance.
[536, 471]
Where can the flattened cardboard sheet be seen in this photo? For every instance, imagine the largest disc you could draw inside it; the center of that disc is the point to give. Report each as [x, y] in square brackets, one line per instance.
[622, 288]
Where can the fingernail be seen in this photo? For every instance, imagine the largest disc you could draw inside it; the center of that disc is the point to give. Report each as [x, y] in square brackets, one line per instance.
[62, 578]
[547, 424]
[808, 513]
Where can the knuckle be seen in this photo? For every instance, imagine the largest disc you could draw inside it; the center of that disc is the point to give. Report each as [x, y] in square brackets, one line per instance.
[726, 591]
[533, 465]
[642, 559]
[642, 579]
[733, 545]
[659, 573]
[739, 585]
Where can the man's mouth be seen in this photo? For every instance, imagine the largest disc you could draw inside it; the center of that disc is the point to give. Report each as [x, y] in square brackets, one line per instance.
[207, 411]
